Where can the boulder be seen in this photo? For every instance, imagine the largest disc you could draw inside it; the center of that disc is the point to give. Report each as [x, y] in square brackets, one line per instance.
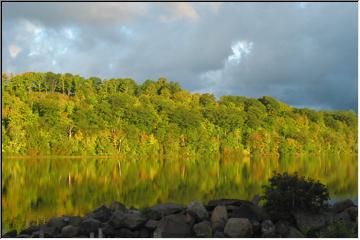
[219, 218]
[190, 219]
[69, 231]
[72, 220]
[197, 210]
[131, 219]
[10, 234]
[48, 231]
[344, 215]
[342, 205]
[57, 222]
[30, 230]
[144, 233]
[249, 211]
[268, 229]
[173, 226]
[23, 236]
[160, 210]
[282, 228]
[238, 228]
[219, 234]
[294, 233]
[225, 202]
[117, 206]
[108, 230]
[126, 233]
[309, 221]
[203, 229]
[256, 227]
[151, 224]
[102, 213]
[353, 212]
[89, 225]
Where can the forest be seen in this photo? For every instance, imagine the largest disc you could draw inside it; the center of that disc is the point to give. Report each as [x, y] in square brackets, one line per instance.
[69, 115]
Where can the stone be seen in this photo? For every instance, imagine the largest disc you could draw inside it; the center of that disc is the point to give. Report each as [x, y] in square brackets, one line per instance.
[197, 210]
[219, 234]
[117, 206]
[48, 231]
[342, 205]
[30, 230]
[173, 226]
[72, 220]
[282, 228]
[151, 224]
[108, 230]
[190, 219]
[219, 218]
[294, 233]
[102, 213]
[89, 225]
[10, 234]
[256, 227]
[344, 215]
[203, 229]
[144, 233]
[309, 221]
[353, 212]
[160, 210]
[23, 236]
[132, 219]
[238, 227]
[268, 229]
[225, 202]
[69, 231]
[126, 233]
[249, 211]
[57, 222]
[256, 199]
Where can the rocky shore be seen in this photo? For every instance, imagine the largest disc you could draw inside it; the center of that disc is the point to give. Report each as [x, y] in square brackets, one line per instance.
[218, 218]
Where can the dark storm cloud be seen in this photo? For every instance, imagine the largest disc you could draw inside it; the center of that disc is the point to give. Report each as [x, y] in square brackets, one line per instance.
[302, 53]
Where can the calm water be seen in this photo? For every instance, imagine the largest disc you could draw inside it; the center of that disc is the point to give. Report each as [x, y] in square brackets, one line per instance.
[34, 189]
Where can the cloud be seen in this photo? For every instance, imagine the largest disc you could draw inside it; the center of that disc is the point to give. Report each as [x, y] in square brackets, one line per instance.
[305, 57]
[14, 51]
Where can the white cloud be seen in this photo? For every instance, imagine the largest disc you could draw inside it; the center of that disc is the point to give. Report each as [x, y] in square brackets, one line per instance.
[14, 50]
[239, 49]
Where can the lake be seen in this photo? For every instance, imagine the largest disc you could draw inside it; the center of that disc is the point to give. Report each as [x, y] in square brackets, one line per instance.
[35, 189]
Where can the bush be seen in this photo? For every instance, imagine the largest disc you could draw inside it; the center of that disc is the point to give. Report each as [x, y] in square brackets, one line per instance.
[288, 193]
[338, 229]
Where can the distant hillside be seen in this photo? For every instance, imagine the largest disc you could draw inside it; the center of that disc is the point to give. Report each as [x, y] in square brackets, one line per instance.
[65, 114]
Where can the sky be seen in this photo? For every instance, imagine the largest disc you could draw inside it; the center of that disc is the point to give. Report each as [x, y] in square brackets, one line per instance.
[304, 54]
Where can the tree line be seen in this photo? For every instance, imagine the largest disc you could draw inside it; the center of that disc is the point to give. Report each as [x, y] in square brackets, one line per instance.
[66, 114]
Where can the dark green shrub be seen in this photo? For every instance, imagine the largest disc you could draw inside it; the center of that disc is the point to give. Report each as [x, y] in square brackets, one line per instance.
[288, 193]
[338, 229]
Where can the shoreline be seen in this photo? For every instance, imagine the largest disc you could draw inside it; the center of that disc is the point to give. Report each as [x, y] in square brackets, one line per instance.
[217, 218]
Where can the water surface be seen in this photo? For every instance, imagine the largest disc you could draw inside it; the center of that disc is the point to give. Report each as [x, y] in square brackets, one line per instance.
[34, 189]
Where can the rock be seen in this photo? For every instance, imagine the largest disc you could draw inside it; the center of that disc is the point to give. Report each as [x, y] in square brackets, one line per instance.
[197, 210]
[23, 236]
[108, 230]
[102, 213]
[117, 206]
[144, 233]
[225, 202]
[282, 228]
[89, 225]
[126, 233]
[69, 231]
[238, 227]
[268, 229]
[131, 219]
[160, 210]
[294, 233]
[190, 219]
[30, 230]
[353, 212]
[57, 222]
[10, 234]
[72, 220]
[218, 234]
[249, 211]
[308, 221]
[48, 231]
[342, 205]
[344, 215]
[173, 226]
[151, 224]
[256, 227]
[219, 218]
[203, 229]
